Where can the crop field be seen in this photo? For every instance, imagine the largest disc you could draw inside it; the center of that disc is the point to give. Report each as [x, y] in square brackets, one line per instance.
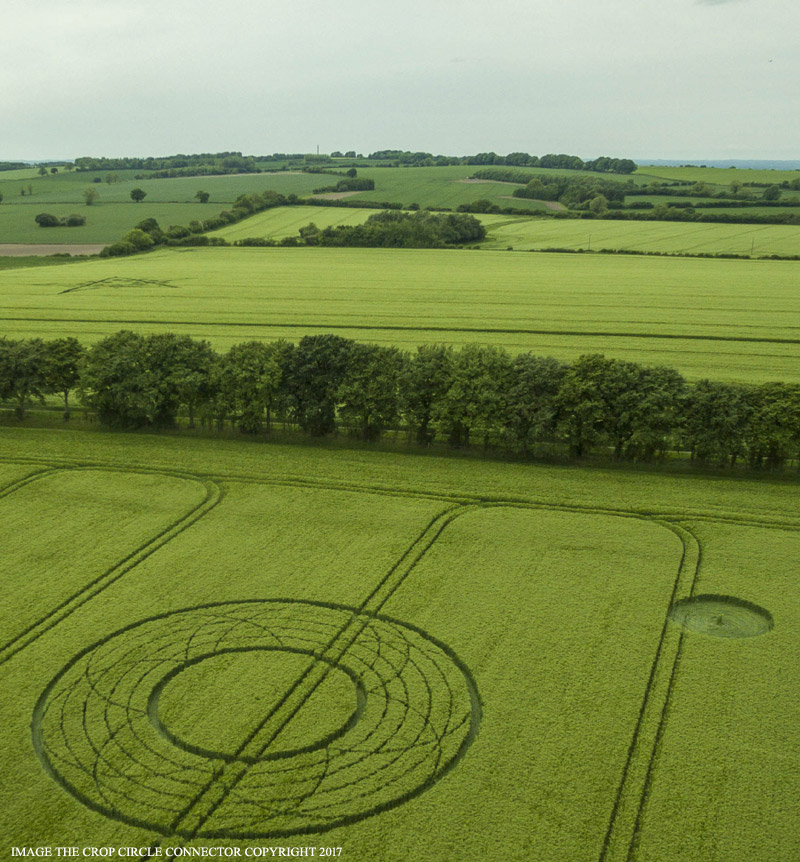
[169, 201]
[287, 221]
[728, 320]
[172, 200]
[105, 222]
[676, 237]
[715, 176]
[396, 655]
[445, 187]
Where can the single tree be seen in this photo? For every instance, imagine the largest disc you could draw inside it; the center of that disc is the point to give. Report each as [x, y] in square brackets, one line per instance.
[598, 204]
[368, 395]
[424, 380]
[476, 397]
[47, 220]
[531, 413]
[90, 195]
[202, 196]
[716, 420]
[139, 239]
[773, 429]
[250, 379]
[61, 360]
[138, 195]
[22, 372]
[581, 404]
[318, 367]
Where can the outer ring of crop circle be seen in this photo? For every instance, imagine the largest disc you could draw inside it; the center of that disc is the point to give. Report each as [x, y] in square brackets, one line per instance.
[475, 717]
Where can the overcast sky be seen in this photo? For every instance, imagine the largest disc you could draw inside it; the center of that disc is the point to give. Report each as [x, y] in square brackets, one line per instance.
[671, 79]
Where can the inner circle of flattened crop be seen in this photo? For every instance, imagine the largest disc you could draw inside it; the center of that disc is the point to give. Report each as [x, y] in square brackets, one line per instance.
[721, 616]
[96, 731]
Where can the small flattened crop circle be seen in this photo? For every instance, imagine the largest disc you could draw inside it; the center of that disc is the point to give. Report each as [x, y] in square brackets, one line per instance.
[102, 731]
[721, 616]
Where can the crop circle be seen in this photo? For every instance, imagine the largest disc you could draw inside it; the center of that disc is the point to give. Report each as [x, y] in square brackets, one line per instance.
[721, 616]
[99, 731]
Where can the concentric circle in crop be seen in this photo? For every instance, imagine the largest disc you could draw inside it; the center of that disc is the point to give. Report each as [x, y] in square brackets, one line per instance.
[99, 731]
[721, 616]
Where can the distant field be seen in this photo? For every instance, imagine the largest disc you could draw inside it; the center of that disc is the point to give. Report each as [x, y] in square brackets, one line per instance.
[172, 201]
[68, 187]
[445, 187]
[533, 233]
[287, 221]
[736, 320]
[367, 651]
[169, 201]
[105, 222]
[718, 176]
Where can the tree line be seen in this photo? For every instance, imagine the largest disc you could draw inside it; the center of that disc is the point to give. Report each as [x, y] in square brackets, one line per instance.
[387, 229]
[561, 161]
[480, 394]
[393, 229]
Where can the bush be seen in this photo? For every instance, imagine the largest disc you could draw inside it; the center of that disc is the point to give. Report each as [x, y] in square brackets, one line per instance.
[118, 249]
[255, 242]
[75, 220]
[140, 240]
[178, 231]
[47, 220]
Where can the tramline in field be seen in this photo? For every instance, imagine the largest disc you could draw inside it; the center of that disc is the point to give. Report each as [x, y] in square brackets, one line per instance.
[726, 320]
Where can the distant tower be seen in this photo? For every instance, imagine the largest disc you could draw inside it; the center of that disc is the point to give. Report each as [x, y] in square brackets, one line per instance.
[317, 149]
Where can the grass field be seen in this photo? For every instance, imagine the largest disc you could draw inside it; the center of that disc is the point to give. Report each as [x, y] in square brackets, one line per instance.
[169, 201]
[400, 656]
[674, 237]
[287, 221]
[715, 176]
[709, 318]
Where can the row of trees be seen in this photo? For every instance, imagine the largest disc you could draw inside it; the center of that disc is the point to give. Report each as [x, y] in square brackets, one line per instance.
[387, 229]
[479, 393]
[229, 160]
[393, 229]
[354, 184]
[562, 161]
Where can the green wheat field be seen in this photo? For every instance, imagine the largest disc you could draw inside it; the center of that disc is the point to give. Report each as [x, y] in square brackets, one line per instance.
[251, 643]
[392, 654]
[722, 319]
